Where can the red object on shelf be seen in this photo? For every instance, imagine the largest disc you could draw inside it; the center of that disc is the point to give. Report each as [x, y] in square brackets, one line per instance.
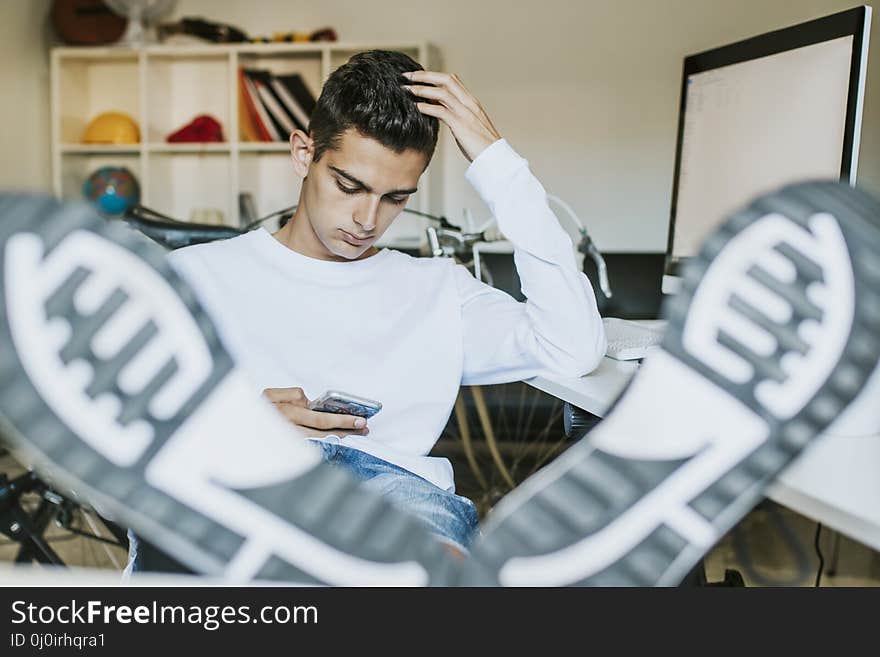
[203, 128]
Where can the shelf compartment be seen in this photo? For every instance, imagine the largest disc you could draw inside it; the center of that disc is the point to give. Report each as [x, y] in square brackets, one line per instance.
[181, 184]
[88, 87]
[270, 178]
[308, 65]
[181, 88]
[77, 167]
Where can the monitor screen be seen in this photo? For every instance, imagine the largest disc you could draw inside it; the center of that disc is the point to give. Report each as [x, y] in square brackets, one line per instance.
[760, 114]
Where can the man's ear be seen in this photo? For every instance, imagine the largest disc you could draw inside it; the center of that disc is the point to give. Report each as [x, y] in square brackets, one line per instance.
[302, 150]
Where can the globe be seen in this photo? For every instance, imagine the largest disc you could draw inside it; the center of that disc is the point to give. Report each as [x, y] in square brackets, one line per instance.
[113, 190]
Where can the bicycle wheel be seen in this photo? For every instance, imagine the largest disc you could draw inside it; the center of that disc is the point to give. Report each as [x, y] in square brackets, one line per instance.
[499, 435]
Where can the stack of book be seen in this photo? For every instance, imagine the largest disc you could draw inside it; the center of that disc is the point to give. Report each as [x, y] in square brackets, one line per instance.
[272, 106]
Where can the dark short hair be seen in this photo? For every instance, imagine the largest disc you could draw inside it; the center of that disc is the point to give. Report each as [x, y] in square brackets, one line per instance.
[365, 93]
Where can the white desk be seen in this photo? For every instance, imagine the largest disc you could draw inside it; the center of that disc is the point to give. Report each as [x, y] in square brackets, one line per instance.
[835, 482]
[594, 392]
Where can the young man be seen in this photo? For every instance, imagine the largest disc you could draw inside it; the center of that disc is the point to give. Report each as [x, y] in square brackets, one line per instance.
[317, 306]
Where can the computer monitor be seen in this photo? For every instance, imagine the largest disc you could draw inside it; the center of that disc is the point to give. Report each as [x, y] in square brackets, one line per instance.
[758, 114]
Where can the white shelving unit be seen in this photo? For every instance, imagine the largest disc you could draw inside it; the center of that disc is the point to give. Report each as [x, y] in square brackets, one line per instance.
[163, 87]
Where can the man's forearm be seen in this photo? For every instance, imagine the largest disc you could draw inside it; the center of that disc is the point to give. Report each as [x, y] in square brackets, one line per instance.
[560, 303]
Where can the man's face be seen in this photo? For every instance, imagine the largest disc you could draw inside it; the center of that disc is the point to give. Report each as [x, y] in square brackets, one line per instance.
[354, 192]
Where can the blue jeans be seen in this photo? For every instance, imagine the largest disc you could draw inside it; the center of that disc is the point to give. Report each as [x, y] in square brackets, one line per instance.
[451, 517]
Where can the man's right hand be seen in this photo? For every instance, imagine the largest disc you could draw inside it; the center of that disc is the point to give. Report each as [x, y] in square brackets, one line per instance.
[293, 404]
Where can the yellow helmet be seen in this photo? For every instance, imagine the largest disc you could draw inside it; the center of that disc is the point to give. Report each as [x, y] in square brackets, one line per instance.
[112, 128]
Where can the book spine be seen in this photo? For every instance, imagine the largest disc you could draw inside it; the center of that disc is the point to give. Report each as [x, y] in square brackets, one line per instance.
[253, 106]
[298, 113]
[297, 87]
[247, 120]
[274, 107]
[265, 120]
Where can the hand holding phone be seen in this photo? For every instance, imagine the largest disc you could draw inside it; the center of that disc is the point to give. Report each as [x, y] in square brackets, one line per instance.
[293, 404]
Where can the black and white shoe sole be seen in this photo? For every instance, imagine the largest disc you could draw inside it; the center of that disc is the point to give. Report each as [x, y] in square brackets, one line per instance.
[115, 386]
[775, 334]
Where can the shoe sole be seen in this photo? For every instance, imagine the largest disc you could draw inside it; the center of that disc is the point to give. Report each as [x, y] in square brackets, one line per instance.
[775, 333]
[115, 387]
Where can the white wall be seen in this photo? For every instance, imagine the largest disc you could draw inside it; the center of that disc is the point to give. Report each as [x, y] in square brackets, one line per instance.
[588, 91]
[24, 95]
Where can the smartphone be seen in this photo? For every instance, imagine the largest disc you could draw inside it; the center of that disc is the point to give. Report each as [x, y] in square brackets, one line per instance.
[334, 401]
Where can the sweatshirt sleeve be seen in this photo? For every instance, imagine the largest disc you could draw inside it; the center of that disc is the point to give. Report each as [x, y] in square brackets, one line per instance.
[558, 328]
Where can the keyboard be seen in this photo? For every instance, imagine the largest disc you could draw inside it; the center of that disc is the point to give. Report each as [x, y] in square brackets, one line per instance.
[629, 340]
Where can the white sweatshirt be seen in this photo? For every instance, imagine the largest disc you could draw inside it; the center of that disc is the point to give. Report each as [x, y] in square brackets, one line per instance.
[402, 330]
